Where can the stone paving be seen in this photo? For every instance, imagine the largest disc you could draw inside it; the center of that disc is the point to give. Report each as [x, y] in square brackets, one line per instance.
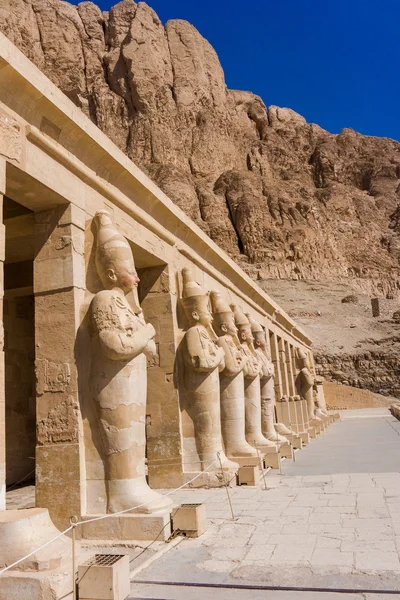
[340, 529]
[332, 520]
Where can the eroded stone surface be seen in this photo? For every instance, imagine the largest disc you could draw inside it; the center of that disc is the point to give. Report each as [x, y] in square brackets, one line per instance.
[288, 195]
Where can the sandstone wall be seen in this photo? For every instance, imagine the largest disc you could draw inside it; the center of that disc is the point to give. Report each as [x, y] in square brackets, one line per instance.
[284, 197]
[340, 397]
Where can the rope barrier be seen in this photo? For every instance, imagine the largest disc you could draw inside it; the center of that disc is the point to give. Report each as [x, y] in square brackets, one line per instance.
[121, 512]
[183, 456]
[175, 464]
[14, 485]
[226, 485]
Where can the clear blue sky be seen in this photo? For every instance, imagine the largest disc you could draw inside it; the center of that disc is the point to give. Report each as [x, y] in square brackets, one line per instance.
[334, 61]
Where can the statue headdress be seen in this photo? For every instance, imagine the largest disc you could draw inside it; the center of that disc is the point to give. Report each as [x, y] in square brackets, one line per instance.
[255, 326]
[218, 304]
[220, 309]
[193, 295]
[240, 318]
[111, 245]
[301, 356]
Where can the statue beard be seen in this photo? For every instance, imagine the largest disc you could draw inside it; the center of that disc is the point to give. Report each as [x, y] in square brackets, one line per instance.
[251, 346]
[236, 340]
[133, 301]
[211, 332]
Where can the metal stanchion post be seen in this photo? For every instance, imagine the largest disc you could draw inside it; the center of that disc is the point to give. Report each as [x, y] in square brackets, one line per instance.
[291, 443]
[73, 520]
[226, 485]
[279, 456]
[261, 465]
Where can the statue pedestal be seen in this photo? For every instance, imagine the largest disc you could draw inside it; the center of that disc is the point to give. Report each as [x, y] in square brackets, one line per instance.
[286, 451]
[272, 459]
[213, 479]
[247, 461]
[305, 437]
[296, 441]
[318, 426]
[313, 433]
[21, 531]
[128, 527]
[46, 575]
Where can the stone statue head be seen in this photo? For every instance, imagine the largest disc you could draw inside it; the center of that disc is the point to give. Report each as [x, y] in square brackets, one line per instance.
[224, 319]
[114, 258]
[243, 325]
[258, 332]
[195, 301]
[302, 358]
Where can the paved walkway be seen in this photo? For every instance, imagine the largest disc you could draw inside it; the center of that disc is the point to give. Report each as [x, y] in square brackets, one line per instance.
[332, 521]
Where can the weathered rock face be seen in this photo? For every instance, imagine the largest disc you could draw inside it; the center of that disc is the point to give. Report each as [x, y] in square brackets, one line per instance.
[376, 371]
[285, 198]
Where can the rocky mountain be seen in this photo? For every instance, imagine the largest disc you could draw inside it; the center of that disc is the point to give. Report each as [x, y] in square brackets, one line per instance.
[283, 197]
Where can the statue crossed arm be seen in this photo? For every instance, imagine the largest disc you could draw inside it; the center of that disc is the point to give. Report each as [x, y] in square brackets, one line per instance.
[202, 354]
[119, 340]
[235, 360]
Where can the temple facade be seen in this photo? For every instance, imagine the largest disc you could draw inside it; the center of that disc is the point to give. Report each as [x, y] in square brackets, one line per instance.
[94, 264]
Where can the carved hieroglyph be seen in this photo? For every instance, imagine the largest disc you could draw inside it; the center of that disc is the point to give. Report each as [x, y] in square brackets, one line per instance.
[203, 359]
[231, 380]
[267, 383]
[120, 342]
[252, 388]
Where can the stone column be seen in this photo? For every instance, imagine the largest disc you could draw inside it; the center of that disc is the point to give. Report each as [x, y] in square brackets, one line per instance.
[283, 366]
[290, 369]
[162, 410]
[2, 390]
[320, 393]
[277, 366]
[59, 283]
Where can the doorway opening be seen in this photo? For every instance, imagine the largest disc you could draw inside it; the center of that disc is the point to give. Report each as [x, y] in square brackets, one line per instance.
[19, 346]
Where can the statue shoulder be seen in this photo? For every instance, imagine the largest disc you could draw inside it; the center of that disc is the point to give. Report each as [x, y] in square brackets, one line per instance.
[192, 331]
[103, 298]
[307, 375]
[224, 341]
[192, 335]
[104, 311]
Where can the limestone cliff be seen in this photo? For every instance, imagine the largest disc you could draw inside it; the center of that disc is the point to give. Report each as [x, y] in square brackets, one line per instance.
[283, 197]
